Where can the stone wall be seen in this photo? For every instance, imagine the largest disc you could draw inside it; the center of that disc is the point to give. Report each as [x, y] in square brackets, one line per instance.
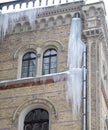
[14, 46]
[51, 96]
[16, 98]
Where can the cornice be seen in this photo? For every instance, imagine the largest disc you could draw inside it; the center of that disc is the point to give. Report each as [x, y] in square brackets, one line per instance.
[33, 81]
[61, 9]
[44, 15]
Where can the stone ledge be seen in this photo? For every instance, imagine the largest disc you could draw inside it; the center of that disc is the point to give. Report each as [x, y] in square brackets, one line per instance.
[33, 81]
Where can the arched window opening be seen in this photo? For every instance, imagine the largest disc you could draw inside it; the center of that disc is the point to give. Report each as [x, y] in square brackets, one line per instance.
[28, 65]
[106, 124]
[37, 119]
[49, 61]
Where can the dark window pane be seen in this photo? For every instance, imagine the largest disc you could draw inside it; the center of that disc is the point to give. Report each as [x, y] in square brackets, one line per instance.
[53, 65]
[32, 62]
[36, 127]
[26, 56]
[28, 64]
[31, 74]
[32, 55]
[53, 59]
[45, 126]
[53, 70]
[24, 69]
[28, 127]
[37, 119]
[31, 69]
[24, 75]
[46, 60]
[46, 72]
[53, 52]
[25, 63]
[49, 61]
[47, 53]
[45, 115]
[46, 66]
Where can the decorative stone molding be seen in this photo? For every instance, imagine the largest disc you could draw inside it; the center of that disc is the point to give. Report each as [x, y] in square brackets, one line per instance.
[92, 14]
[93, 9]
[20, 51]
[53, 43]
[43, 23]
[61, 9]
[48, 17]
[26, 107]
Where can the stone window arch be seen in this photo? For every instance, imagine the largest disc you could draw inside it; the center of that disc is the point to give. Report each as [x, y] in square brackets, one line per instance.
[19, 57]
[57, 45]
[106, 124]
[42, 23]
[68, 19]
[92, 11]
[59, 20]
[17, 28]
[51, 22]
[35, 104]
[26, 26]
[37, 119]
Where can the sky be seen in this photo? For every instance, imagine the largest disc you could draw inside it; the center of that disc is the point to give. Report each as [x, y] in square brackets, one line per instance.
[87, 1]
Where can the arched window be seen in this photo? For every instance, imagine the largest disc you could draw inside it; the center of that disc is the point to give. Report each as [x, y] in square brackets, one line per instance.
[106, 124]
[49, 61]
[28, 65]
[37, 119]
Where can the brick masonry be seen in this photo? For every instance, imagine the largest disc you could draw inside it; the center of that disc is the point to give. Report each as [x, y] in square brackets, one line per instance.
[14, 98]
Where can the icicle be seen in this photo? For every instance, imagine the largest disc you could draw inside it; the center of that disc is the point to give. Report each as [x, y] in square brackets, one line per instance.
[107, 87]
[75, 59]
[1, 24]
[58, 77]
[12, 17]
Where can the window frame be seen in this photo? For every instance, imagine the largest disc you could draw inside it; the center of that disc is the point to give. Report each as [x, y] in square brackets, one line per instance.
[49, 63]
[40, 121]
[21, 113]
[28, 66]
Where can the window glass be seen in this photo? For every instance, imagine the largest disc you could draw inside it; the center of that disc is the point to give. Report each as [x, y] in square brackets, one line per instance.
[37, 119]
[49, 61]
[47, 53]
[28, 64]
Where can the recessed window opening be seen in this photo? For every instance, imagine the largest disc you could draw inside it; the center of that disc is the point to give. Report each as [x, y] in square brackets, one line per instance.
[49, 61]
[28, 65]
[37, 119]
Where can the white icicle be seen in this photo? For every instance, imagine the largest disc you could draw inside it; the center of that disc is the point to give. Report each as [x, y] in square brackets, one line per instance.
[75, 59]
[11, 18]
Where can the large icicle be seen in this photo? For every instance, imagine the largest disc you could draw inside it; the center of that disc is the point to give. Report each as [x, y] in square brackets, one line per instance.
[10, 19]
[75, 60]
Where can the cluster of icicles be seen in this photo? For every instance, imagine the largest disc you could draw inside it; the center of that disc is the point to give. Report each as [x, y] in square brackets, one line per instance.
[8, 20]
[9, 17]
[75, 64]
[75, 52]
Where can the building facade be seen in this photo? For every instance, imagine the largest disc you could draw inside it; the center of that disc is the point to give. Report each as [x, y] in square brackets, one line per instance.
[33, 67]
